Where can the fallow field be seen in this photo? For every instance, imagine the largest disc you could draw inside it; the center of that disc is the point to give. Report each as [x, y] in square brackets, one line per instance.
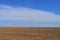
[26, 33]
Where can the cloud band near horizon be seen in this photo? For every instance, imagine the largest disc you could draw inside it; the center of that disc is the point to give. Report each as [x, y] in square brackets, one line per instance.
[27, 14]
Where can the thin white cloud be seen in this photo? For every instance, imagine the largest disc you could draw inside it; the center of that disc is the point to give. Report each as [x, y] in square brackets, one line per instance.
[21, 13]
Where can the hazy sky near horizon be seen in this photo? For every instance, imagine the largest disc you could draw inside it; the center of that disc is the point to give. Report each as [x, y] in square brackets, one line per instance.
[39, 13]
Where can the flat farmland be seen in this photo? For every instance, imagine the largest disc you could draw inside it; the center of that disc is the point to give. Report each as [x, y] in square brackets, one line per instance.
[25, 33]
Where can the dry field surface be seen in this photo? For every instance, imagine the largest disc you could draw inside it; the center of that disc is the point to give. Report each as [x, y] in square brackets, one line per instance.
[15, 33]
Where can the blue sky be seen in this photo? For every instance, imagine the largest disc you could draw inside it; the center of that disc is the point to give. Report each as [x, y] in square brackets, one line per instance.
[42, 13]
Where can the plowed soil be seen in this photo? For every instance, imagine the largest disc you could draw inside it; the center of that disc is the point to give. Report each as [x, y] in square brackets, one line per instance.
[21, 33]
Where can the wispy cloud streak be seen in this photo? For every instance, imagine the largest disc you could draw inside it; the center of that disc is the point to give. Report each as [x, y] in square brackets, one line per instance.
[21, 13]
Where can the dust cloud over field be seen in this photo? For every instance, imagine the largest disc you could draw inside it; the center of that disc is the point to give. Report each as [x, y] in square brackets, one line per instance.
[20, 33]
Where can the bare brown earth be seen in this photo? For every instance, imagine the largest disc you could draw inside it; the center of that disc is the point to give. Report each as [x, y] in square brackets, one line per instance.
[16, 33]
